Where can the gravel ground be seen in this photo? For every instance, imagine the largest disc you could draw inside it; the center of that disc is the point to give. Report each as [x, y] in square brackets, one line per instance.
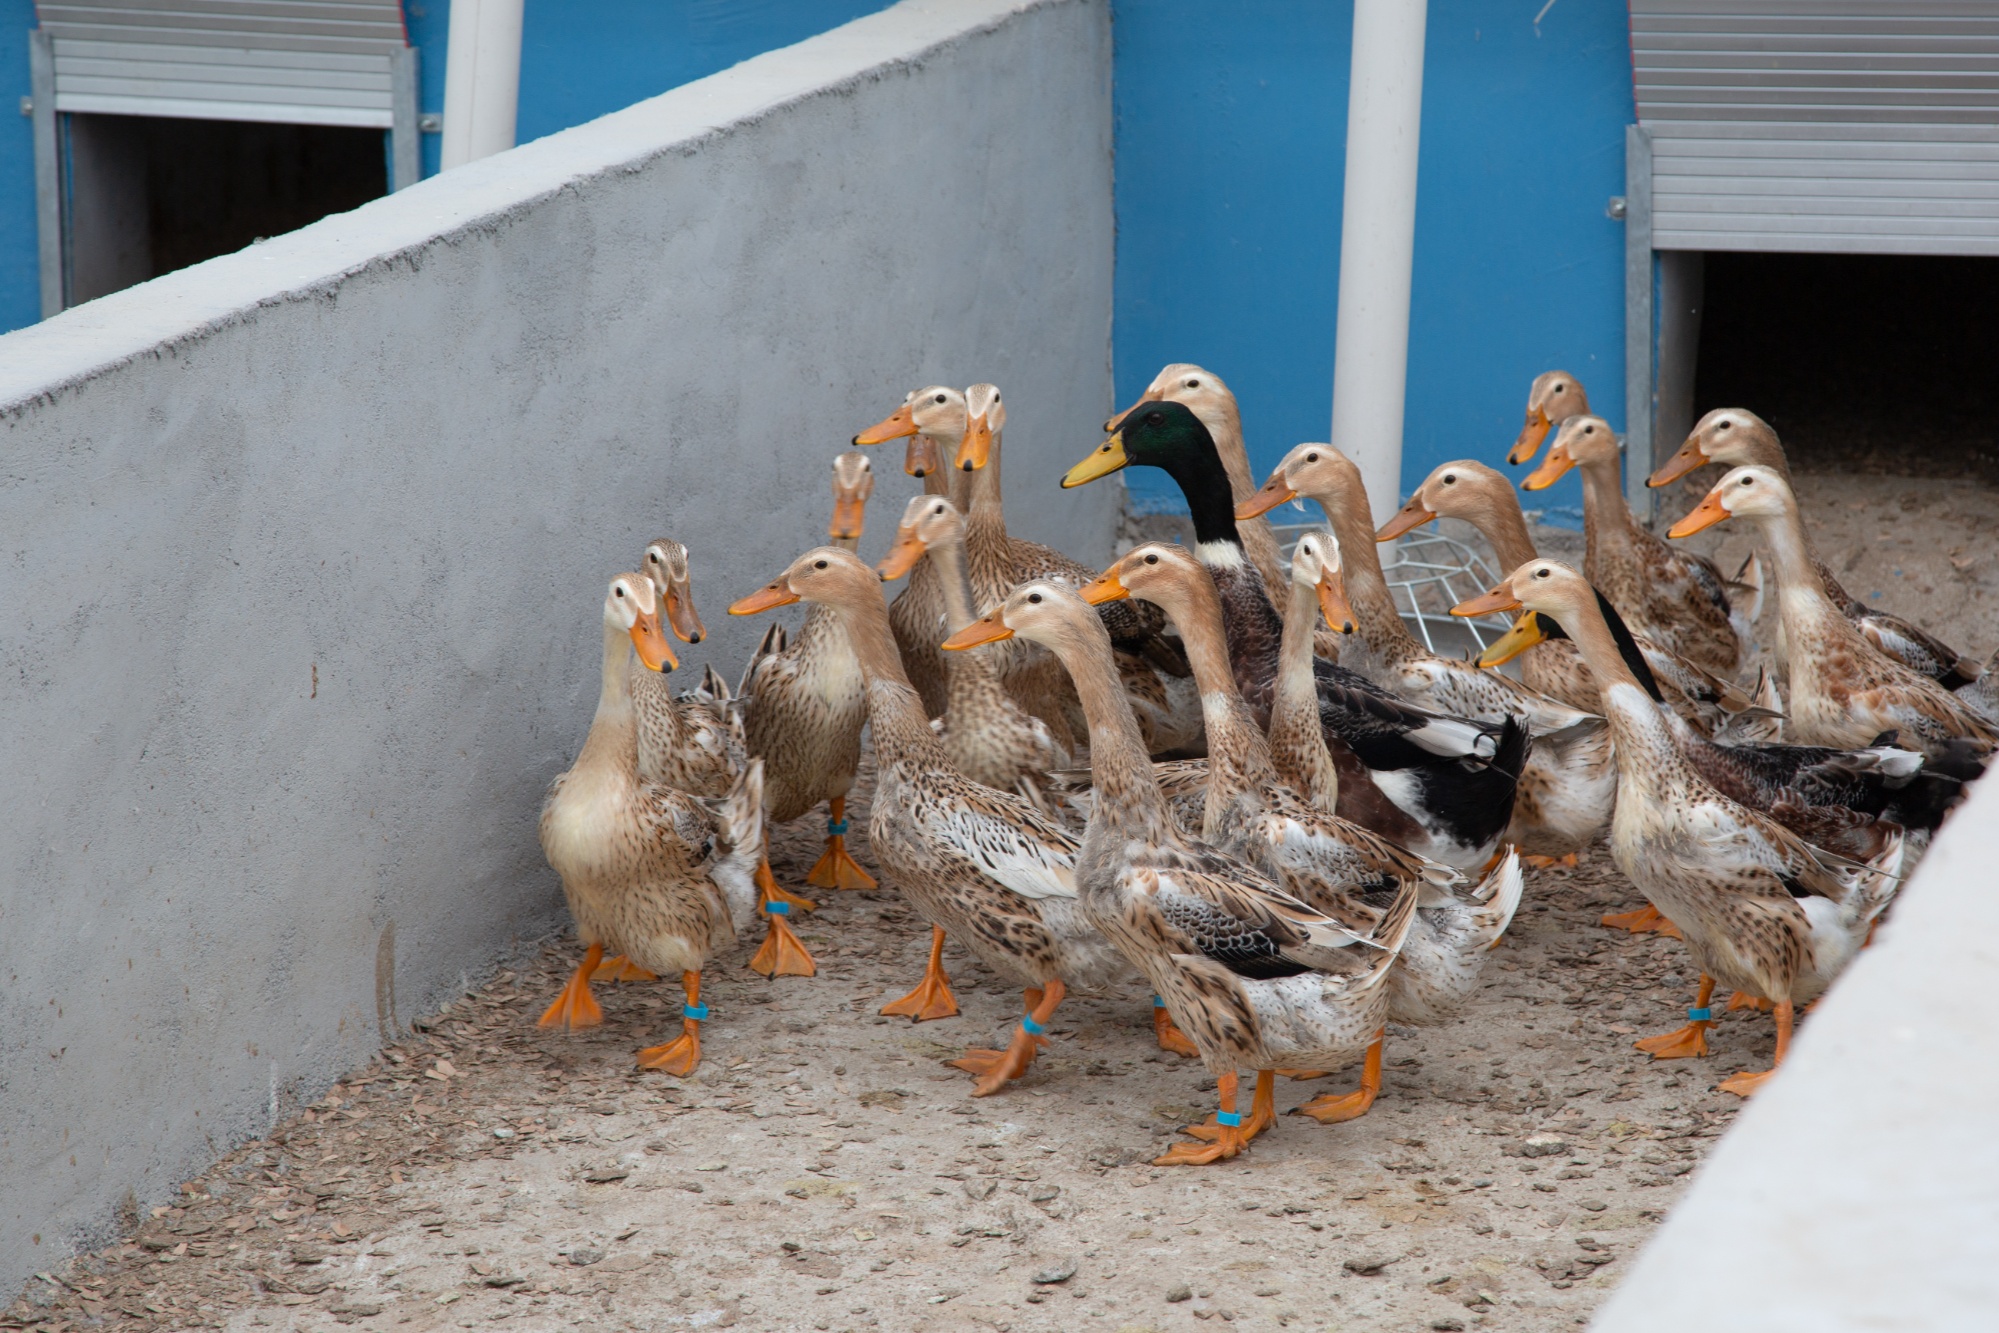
[824, 1169]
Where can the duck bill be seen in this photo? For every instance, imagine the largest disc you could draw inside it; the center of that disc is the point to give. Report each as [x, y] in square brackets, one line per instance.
[1531, 435]
[1108, 458]
[680, 614]
[894, 426]
[923, 456]
[1706, 514]
[767, 598]
[1493, 603]
[1274, 493]
[1526, 632]
[1691, 456]
[986, 629]
[1407, 519]
[849, 514]
[977, 446]
[1553, 468]
[654, 650]
[1333, 604]
[902, 557]
[1104, 588]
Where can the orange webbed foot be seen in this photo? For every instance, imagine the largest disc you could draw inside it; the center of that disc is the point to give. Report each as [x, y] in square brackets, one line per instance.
[996, 1069]
[1302, 1075]
[782, 953]
[1228, 1142]
[835, 869]
[1742, 999]
[1171, 1039]
[932, 997]
[621, 968]
[678, 1056]
[1679, 1044]
[1544, 862]
[1746, 1083]
[1262, 1113]
[576, 1007]
[1334, 1109]
[767, 883]
[1645, 919]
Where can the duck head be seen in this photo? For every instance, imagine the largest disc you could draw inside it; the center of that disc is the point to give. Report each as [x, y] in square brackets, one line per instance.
[1731, 436]
[853, 483]
[1554, 397]
[666, 565]
[1315, 564]
[985, 416]
[1316, 471]
[932, 418]
[1541, 587]
[927, 521]
[1464, 489]
[632, 606]
[1041, 611]
[1581, 441]
[1746, 492]
[829, 575]
[1200, 391]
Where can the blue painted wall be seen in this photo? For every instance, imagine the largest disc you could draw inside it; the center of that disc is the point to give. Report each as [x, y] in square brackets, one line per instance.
[1231, 147]
[579, 60]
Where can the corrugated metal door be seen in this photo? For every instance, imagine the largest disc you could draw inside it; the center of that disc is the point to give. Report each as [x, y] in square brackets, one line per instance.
[302, 62]
[1861, 126]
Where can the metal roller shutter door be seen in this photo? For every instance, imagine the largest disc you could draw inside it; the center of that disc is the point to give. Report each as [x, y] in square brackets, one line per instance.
[309, 62]
[1859, 126]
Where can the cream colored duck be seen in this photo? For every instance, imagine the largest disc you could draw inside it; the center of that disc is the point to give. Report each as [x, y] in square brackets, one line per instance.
[661, 876]
[1844, 691]
[1554, 397]
[989, 737]
[1256, 977]
[1736, 437]
[1675, 597]
[1570, 778]
[982, 865]
[1476, 494]
[1760, 910]
[693, 741]
[932, 419]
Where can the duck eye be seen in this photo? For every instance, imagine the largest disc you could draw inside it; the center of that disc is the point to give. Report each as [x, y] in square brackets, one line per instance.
[1155, 417]
[1559, 387]
[1034, 597]
[1723, 425]
[617, 592]
[1152, 560]
[940, 397]
[1193, 384]
[1745, 481]
[1540, 573]
[819, 564]
[1450, 479]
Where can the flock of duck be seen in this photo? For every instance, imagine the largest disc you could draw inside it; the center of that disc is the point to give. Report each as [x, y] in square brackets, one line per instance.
[1295, 831]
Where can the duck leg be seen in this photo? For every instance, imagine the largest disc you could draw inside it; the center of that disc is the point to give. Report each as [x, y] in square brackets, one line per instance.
[998, 1068]
[836, 869]
[1742, 999]
[1228, 1141]
[1331, 1110]
[1690, 1040]
[1743, 1084]
[576, 1007]
[782, 953]
[1167, 1032]
[767, 882]
[1262, 1112]
[680, 1055]
[932, 997]
[1646, 918]
[621, 968]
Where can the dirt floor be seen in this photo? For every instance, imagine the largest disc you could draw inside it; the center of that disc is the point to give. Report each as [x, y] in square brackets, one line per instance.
[824, 1170]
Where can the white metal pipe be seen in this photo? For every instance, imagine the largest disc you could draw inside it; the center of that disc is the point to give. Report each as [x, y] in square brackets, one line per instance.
[482, 79]
[1378, 243]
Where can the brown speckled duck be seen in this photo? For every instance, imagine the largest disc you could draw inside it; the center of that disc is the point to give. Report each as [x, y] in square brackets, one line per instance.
[1554, 397]
[661, 876]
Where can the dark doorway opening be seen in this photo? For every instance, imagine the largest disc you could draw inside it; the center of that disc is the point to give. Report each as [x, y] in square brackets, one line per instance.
[148, 195]
[1880, 364]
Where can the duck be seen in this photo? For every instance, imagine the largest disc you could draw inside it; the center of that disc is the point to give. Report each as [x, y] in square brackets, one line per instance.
[1440, 786]
[1553, 397]
[983, 866]
[1476, 494]
[989, 738]
[1759, 908]
[692, 741]
[804, 705]
[932, 419]
[1570, 779]
[1254, 814]
[1674, 597]
[1737, 437]
[1255, 976]
[663, 877]
[998, 562]
[1844, 691]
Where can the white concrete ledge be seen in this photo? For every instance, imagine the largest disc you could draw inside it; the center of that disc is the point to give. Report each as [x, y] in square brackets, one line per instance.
[1859, 1191]
[305, 545]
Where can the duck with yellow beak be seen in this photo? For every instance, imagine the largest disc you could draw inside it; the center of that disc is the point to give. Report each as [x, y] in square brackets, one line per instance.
[662, 876]
[1441, 786]
[1844, 691]
[1255, 976]
[1736, 437]
[1673, 596]
[982, 865]
[1759, 908]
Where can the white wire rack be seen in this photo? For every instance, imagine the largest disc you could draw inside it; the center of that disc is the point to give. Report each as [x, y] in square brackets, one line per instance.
[1428, 573]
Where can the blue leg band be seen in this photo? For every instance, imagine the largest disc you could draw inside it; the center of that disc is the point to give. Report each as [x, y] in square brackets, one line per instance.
[836, 829]
[1032, 1026]
[1229, 1118]
[777, 908]
[1700, 1015]
[1158, 1003]
[697, 1012]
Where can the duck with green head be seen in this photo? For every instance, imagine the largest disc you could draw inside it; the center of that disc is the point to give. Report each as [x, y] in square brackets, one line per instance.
[1441, 785]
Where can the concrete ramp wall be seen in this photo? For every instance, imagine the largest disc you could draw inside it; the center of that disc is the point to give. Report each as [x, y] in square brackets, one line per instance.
[305, 546]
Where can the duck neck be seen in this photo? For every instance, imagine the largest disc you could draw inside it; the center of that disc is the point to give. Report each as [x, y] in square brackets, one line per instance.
[1238, 753]
[949, 558]
[1204, 484]
[1504, 528]
[985, 531]
[1127, 801]
[1297, 738]
[1801, 595]
[613, 740]
[1637, 722]
[1607, 522]
[1224, 422]
[895, 711]
[1375, 617]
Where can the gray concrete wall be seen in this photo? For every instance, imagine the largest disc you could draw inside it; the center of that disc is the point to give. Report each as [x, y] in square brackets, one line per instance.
[305, 546]
[1859, 1191]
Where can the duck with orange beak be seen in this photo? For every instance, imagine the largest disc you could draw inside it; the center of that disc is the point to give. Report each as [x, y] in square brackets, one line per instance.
[982, 865]
[662, 876]
[1256, 977]
[1678, 599]
[1553, 398]
[1844, 691]
[1759, 908]
[1736, 437]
